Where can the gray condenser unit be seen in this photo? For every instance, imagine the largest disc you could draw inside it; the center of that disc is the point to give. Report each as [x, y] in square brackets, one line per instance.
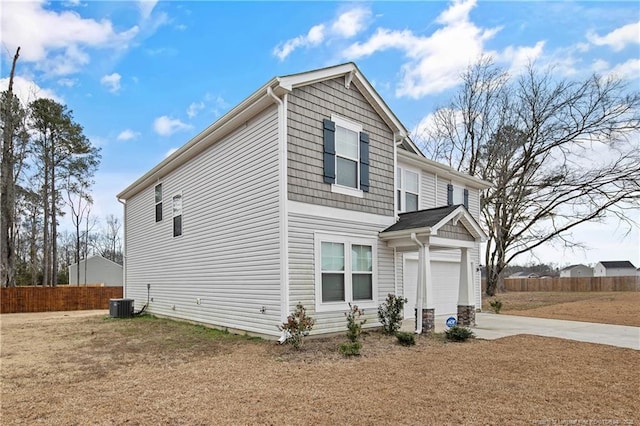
[120, 308]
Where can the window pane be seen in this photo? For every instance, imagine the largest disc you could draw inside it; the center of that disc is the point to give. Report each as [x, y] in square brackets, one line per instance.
[411, 202]
[458, 195]
[158, 212]
[400, 200]
[362, 287]
[177, 205]
[347, 144]
[346, 172]
[332, 256]
[177, 226]
[332, 287]
[158, 193]
[361, 259]
[411, 181]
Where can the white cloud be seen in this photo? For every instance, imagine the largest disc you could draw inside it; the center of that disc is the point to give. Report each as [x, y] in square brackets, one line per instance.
[166, 126]
[629, 70]
[345, 25]
[520, 57]
[112, 82]
[127, 135]
[146, 7]
[435, 62]
[67, 82]
[194, 109]
[351, 22]
[27, 90]
[618, 38]
[60, 49]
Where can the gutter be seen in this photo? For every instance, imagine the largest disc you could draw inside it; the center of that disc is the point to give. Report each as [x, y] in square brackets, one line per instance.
[419, 286]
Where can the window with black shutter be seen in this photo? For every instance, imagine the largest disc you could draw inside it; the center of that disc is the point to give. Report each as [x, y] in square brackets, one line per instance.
[346, 154]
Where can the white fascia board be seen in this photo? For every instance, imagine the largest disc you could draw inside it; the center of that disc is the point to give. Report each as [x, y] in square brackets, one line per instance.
[252, 105]
[290, 82]
[466, 219]
[443, 170]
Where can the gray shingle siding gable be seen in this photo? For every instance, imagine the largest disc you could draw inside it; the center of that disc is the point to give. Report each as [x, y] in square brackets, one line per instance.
[308, 106]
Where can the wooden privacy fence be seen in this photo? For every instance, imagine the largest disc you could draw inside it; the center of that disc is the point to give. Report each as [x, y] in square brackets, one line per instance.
[62, 298]
[573, 284]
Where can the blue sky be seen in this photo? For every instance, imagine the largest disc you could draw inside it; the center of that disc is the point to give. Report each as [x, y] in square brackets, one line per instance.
[145, 77]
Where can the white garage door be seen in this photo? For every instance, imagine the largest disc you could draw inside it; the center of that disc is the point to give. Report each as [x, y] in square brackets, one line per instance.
[445, 276]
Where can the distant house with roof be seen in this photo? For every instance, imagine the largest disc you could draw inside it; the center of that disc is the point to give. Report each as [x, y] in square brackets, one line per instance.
[96, 270]
[575, 271]
[524, 274]
[616, 268]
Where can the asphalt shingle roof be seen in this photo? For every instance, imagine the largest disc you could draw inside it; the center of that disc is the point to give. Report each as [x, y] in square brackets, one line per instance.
[420, 218]
[618, 264]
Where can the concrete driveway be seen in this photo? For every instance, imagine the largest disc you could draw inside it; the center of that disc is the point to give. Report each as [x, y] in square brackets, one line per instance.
[494, 326]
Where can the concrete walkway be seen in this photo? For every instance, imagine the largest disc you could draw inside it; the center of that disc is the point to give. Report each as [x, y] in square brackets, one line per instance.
[493, 326]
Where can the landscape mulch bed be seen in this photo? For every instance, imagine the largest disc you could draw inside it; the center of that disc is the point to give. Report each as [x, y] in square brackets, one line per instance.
[92, 370]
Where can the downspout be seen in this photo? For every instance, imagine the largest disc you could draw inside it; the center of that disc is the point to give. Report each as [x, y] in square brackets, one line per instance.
[282, 200]
[124, 247]
[420, 281]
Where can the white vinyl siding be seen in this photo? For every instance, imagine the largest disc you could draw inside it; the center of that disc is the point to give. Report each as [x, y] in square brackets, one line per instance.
[226, 266]
[302, 228]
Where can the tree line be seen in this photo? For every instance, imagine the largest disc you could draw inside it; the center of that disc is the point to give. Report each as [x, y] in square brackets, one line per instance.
[47, 165]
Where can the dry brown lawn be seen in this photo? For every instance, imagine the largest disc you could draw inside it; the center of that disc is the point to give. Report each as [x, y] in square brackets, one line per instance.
[622, 308]
[66, 370]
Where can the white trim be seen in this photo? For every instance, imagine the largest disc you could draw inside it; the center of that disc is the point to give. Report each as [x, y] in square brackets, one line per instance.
[316, 210]
[346, 190]
[348, 241]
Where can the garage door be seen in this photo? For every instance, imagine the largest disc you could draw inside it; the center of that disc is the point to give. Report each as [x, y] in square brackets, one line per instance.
[445, 276]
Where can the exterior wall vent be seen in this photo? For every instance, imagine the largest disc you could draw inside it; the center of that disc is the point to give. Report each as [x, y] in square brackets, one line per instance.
[120, 308]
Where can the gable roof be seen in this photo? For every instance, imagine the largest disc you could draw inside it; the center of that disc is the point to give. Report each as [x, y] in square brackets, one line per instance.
[430, 220]
[258, 101]
[617, 264]
[574, 266]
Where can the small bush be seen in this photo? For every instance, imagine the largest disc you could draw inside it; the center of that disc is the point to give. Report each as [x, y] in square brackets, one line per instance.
[354, 324]
[390, 313]
[459, 334]
[496, 305]
[405, 338]
[350, 348]
[297, 327]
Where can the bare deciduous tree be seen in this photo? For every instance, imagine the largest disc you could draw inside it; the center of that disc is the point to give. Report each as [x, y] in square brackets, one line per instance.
[558, 153]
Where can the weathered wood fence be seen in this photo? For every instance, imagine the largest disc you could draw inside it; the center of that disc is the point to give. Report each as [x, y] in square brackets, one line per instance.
[572, 284]
[61, 298]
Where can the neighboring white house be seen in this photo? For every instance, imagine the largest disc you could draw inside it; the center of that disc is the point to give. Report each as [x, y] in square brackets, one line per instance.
[98, 271]
[309, 191]
[574, 271]
[524, 274]
[618, 268]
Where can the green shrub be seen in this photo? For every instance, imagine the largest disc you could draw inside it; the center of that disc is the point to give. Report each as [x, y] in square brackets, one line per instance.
[354, 324]
[406, 338]
[350, 348]
[297, 327]
[390, 313]
[459, 334]
[496, 305]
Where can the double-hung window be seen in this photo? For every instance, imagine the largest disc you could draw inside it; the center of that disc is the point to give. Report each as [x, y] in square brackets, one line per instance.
[158, 198]
[177, 215]
[345, 272]
[457, 194]
[408, 190]
[347, 155]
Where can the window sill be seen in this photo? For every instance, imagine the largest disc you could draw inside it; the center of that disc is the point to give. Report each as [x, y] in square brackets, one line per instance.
[345, 190]
[344, 306]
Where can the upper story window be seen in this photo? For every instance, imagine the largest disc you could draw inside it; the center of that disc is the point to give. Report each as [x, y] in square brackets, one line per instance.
[158, 198]
[346, 156]
[345, 272]
[457, 194]
[177, 215]
[408, 190]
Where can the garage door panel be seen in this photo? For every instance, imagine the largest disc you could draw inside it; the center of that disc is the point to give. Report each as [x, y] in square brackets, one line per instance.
[445, 278]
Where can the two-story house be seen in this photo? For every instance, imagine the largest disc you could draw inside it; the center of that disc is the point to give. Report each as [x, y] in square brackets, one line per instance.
[309, 191]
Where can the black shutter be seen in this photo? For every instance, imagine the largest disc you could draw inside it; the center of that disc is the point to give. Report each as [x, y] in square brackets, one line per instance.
[329, 128]
[364, 162]
[449, 194]
[466, 198]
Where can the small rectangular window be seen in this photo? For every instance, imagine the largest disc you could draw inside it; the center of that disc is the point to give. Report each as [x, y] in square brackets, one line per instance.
[332, 258]
[408, 190]
[347, 146]
[177, 215]
[158, 199]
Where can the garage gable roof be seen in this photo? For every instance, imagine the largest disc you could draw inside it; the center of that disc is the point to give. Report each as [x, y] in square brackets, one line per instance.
[431, 220]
